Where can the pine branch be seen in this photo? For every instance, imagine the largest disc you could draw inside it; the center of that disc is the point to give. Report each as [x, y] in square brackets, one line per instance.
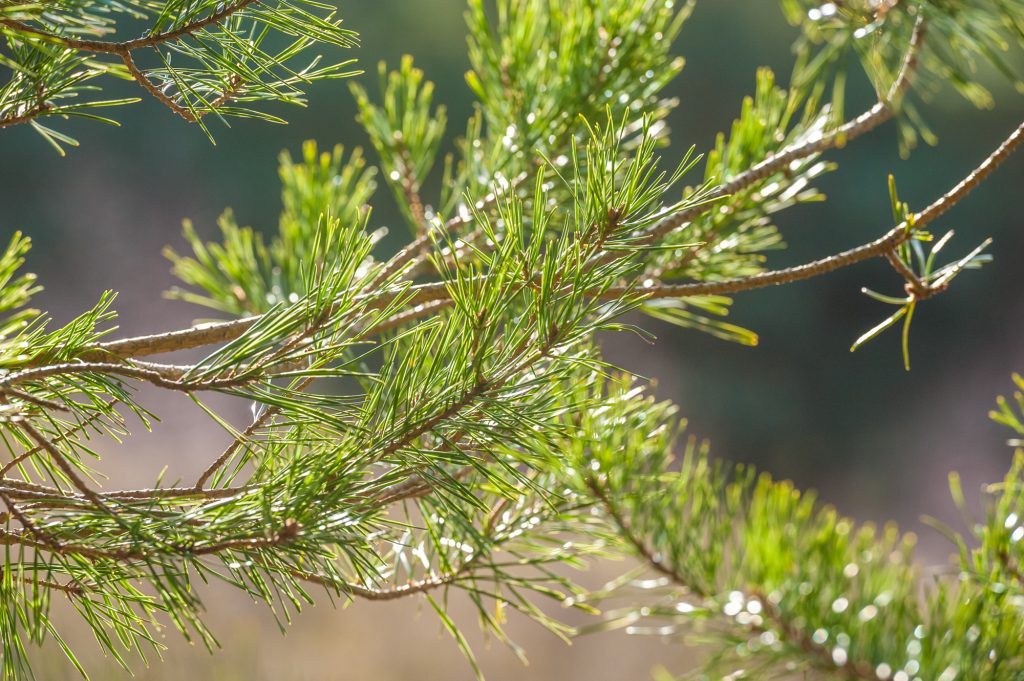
[51, 64]
[435, 294]
[419, 436]
[122, 48]
[880, 247]
[878, 114]
[775, 582]
[866, 122]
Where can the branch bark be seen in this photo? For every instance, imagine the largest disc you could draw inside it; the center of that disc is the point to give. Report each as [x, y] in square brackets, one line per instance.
[123, 47]
[433, 296]
[123, 50]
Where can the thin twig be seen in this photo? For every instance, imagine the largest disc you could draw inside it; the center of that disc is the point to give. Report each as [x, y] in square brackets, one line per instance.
[434, 292]
[393, 593]
[244, 437]
[65, 466]
[26, 115]
[120, 48]
[30, 527]
[152, 89]
[914, 286]
[411, 255]
[189, 114]
[881, 112]
[129, 371]
[879, 247]
[123, 50]
[430, 293]
[790, 632]
[36, 400]
[62, 437]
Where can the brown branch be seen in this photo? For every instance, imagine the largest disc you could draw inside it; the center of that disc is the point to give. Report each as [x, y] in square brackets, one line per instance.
[393, 593]
[271, 366]
[150, 375]
[123, 50]
[35, 400]
[31, 539]
[169, 376]
[236, 444]
[44, 538]
[40, 108]
[222, 332]
[71, 589]
[638, 545]
[435, 292]
[65, 466]
[916, 288]
[41, 494]
[411, 190]
[160, 343]
[175, 493]
[787, 628]
[120, 48]
[152, 89]
[62, 437]
[189, 114]
[881, 112]
[282, 536]
[880, 247]
[822, 655]
[412, 257]
[244, 437]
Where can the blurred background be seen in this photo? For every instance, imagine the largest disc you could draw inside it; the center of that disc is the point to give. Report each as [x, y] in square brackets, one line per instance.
[874, 440]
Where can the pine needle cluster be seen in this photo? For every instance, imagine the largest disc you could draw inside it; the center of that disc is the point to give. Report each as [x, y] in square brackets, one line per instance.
[441, 421]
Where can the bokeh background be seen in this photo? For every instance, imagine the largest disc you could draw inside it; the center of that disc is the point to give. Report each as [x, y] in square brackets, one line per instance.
[875, 441]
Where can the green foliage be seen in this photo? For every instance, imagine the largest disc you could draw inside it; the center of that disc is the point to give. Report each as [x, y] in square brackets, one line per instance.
[924, 279]
[963, 35]
[404, 132]
[441, 422]
[198, 58]
[779, 584]
[740, 231]
[540, 66]
[1011, 414]
[733, 239]
[242, 274]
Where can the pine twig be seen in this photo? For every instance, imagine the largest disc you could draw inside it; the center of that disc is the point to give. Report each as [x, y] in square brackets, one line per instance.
[877, 248]
[124, 47]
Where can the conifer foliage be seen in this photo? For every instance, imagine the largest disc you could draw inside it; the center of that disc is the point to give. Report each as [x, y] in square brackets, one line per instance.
[197, 57]
[441, 421]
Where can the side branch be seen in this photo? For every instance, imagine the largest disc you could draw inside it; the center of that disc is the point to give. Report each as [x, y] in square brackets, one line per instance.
[390, 594]
[790, 631]
[434, 296]
[121, 48]
[411, 257]
[230, 91]
[880, 247]
[881, 112]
